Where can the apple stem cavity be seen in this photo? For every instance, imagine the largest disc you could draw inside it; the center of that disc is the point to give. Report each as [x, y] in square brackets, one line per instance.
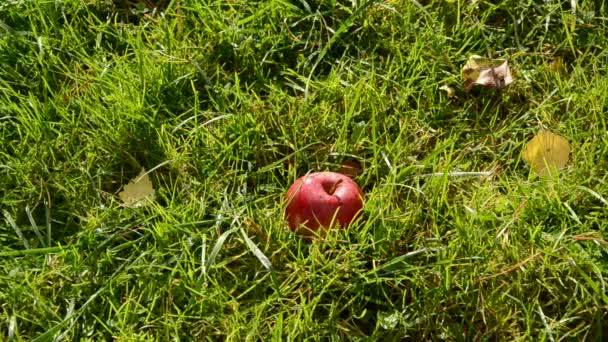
[333, 187]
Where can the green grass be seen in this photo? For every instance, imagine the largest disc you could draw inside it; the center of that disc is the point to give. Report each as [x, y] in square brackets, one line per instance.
[230, 101]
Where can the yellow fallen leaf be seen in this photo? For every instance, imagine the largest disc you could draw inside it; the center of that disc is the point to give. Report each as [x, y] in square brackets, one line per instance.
[138, 191]
[481, 71]
[547, 152]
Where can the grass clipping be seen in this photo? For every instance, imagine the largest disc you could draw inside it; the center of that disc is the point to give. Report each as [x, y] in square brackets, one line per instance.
[138, 192]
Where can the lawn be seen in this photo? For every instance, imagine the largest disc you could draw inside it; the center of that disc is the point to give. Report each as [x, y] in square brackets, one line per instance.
[226, 103]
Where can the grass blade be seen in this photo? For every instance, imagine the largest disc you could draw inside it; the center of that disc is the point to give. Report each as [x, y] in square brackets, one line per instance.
[47, 214]
[335, 37]
[71, 319]
[16, 228]
[593, 193]
[216, 248]
[11, 327]
[256, 251]
[34, 226]
[32, 251]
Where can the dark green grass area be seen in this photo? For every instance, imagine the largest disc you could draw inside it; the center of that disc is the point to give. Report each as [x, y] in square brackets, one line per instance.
[228, 102]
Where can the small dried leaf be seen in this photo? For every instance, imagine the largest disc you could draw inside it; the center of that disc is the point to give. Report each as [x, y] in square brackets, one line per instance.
[138, 191]
[547, 152]
[479, 70]
[449, 90]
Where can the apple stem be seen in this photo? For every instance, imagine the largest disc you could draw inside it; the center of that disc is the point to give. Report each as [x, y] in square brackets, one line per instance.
[333, 188]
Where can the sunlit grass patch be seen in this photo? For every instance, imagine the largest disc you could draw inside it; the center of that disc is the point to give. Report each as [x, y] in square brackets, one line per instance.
[225, 104]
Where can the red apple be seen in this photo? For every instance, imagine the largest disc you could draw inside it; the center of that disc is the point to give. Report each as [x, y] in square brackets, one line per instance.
[321, 199]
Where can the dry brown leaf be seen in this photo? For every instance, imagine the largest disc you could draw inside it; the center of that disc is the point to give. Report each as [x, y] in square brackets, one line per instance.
[480, 71]
[138, 192]
[547, 152]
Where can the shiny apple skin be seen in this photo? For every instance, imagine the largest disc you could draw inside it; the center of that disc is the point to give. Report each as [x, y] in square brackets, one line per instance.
[313, 200]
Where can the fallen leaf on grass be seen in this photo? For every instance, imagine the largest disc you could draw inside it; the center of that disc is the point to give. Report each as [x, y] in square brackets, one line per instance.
[547, 152]
[481, 71]
[138, 191]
